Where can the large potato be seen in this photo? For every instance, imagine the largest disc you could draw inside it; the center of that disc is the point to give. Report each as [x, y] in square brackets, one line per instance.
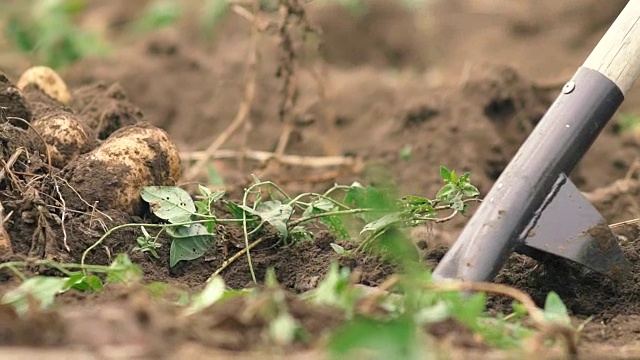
[65, 135]
[114, 173]
[47, 80]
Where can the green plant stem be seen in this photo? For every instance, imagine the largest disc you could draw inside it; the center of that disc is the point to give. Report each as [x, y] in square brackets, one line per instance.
[17, 272]
[124, 226]
[330, 213]
[62, 267]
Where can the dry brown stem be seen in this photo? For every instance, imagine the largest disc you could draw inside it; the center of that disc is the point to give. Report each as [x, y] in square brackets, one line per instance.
[243, 110]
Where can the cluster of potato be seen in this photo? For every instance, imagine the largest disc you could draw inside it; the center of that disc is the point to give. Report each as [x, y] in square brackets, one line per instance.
[130, 158]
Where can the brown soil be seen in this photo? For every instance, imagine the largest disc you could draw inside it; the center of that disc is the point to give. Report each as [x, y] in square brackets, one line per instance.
[459, 84]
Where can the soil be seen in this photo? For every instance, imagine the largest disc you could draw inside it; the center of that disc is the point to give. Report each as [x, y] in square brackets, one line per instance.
[458, 83]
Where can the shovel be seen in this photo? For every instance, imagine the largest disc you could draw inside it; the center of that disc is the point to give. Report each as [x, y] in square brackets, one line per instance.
[533, 207]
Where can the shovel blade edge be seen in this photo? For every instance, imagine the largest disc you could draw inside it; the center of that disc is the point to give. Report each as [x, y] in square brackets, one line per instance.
[569, 226]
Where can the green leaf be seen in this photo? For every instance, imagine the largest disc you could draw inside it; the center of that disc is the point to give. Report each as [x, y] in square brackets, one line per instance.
[333, 223]
[214, 178]
[212, 292]
[339, 249]
[17, 32]
[283, 329]
[159, 14]
[469, 310]
[446, 192]
[445, 174]
[431, 314]
[416, 200]
[212, 12]
[277, 214]
[271, 279]
[555, 310]
[169, 203]
[43, 289]
[204, 191]
[189, 242]
[405, 152]
[238, 210]
[299, 233]
[335, 290]
[394, 339]
[336, 226]
[469, 191]
[383, 223]
[122, 270]
[82, 282]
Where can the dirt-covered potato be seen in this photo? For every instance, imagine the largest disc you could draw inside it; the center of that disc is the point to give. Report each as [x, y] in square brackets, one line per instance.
[114, 173]
[65, 135]
[47, 80]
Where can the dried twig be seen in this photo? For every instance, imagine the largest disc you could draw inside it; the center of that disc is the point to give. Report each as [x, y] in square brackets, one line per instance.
[9, 163]
[235, 257]
[5, 241]
[263, 156]
[241, 115]
[289, 11]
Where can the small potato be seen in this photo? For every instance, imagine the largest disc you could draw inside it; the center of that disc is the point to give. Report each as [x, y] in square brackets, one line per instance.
[65, 135]
[47, 80]
[131, 158]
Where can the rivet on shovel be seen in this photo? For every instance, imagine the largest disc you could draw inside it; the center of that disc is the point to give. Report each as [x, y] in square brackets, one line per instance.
[568, 87]
[534, 208]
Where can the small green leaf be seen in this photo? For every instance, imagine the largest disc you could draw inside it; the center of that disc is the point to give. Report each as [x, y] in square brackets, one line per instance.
[299, 233]
[383, 223]
[169, 203]
[394, 339]
[122, 270]
[445, 174]
[82, 282]
[277, 214]
[204, 191]
[238, 210]
[283, 329]
[555, 310]
[43, 289]
[338, 249]
[271, 279]
[431, 314]
[405, 152]
[212, 292]
[469, 310]
[469, 191]
[214, 178]
[213, 12]
[335, 289]
[189, 242]
[446, 192]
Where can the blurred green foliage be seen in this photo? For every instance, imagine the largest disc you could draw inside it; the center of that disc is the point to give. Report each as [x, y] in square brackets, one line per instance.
[45, 29]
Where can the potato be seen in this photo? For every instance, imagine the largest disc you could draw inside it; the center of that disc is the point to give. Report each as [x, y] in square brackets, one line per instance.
[131, 158]
[65, 135]
[47, 80]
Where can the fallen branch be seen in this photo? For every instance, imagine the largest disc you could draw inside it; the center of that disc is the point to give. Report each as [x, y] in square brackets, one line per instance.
[264, 156]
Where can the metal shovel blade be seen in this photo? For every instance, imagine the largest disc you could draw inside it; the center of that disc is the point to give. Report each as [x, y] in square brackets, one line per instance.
[532, 204]
[567, 225]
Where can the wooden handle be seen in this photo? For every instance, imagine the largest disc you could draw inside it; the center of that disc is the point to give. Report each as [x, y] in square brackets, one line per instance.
[617, 55]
